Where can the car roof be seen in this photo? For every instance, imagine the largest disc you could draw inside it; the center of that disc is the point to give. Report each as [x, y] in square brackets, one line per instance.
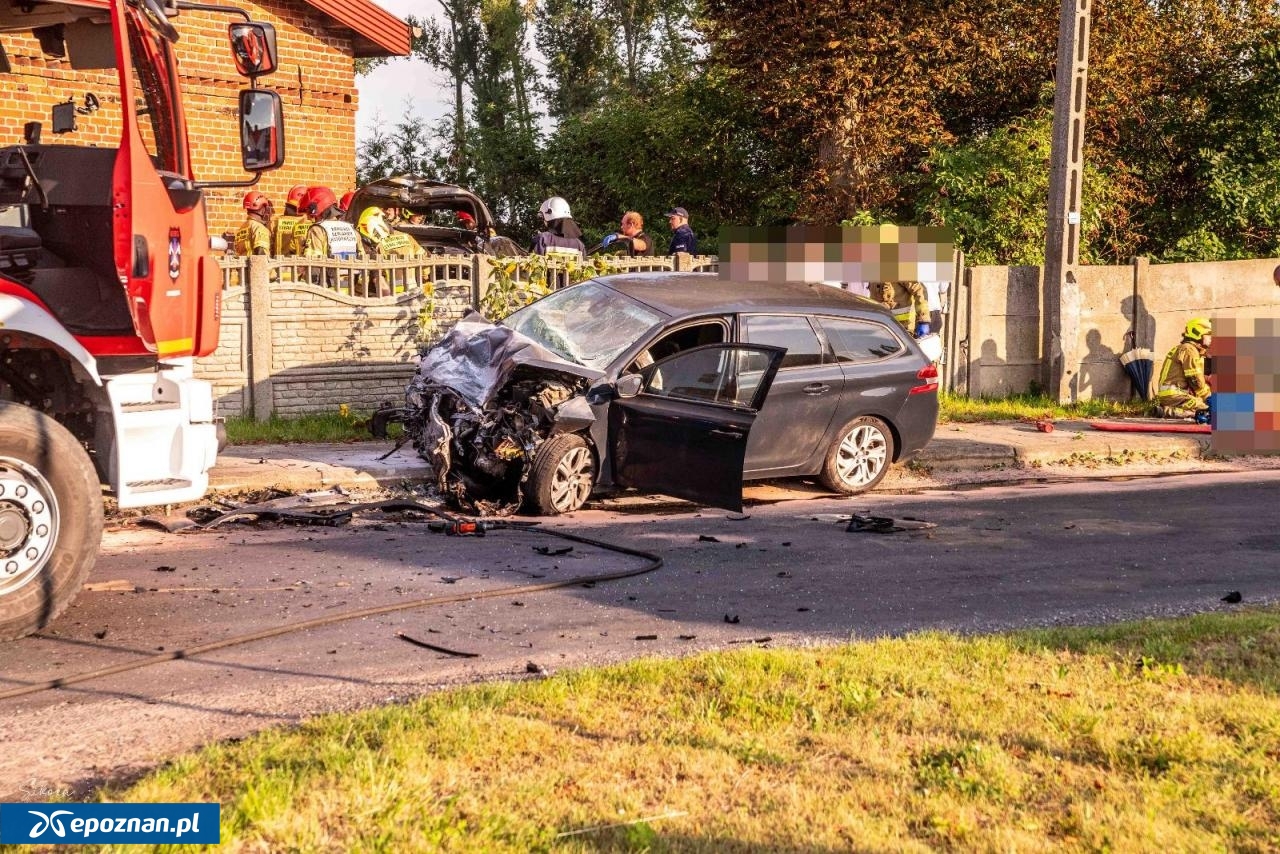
[678, 294]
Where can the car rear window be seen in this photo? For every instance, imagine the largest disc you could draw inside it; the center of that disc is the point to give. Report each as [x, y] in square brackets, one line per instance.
[789, 331]
[859, 340]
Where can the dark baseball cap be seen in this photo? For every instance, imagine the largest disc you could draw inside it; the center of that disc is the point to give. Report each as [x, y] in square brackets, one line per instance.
[677, 212]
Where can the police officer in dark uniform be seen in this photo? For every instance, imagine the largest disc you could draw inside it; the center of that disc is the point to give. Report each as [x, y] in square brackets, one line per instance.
[682, 236]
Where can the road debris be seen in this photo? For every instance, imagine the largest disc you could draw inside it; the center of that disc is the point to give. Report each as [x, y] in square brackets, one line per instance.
[765, 639]
[734, 620]
[859, 524]
[117, 585]
[737, 517]
[707, 538]
[646, 637]
[1233, 598]
[535, 667]
[553, 551]
[434, 648]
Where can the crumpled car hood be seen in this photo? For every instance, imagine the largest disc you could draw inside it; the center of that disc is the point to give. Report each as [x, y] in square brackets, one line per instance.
[476, 358]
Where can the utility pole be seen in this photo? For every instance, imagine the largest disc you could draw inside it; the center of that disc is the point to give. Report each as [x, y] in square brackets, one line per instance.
[1060, 306]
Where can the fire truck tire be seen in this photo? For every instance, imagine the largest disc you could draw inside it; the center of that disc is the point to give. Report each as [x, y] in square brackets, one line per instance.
[50, 519]
[563, 475]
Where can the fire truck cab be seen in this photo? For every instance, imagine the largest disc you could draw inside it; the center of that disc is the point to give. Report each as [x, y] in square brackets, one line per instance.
[108, 286]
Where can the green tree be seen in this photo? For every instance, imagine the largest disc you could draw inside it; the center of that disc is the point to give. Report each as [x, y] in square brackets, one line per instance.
[582, 68]
[991, 189]
[409, 146]
[693, 146]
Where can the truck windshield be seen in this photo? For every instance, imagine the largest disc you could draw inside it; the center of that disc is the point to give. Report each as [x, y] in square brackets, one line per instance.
[154, 85]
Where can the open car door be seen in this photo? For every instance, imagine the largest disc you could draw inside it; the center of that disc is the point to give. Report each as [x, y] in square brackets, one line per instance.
[685, 433]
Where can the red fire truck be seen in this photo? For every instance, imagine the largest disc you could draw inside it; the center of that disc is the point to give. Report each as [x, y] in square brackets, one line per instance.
[108, 286]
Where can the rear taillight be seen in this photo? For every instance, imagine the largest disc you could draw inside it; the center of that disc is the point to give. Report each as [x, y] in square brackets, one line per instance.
[928, 377]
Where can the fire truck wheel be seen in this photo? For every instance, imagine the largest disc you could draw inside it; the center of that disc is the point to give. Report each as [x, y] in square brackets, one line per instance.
[50, 519]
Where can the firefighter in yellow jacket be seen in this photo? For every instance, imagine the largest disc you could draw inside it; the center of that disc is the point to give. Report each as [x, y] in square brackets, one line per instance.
[283, 239]
[384, 243]
[908, 302]
[254, 237]
[1184, 392]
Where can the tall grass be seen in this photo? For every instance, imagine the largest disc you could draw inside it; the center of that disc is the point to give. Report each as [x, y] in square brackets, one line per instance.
[957, 408]
[1143, 737]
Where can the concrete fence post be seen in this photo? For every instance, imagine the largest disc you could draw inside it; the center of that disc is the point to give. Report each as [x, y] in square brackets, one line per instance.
[682, 262]
[480, 272]
[258, 283]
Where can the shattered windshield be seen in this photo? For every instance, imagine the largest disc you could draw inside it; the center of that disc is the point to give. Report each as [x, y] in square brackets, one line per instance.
[588, 324]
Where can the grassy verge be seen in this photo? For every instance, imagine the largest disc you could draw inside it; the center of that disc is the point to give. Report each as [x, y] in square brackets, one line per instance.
[346, 426]
[340, 426]
[1023, 406]
[1143, 737]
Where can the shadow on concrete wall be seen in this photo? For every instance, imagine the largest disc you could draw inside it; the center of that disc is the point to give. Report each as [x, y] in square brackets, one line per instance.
[988, 369]
[1097, 369]
[1142, 324]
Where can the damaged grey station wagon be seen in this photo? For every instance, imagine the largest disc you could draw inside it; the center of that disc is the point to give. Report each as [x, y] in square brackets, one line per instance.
[682, 384]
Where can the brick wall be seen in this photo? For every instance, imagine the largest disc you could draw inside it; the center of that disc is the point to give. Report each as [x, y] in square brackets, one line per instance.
[316, 81]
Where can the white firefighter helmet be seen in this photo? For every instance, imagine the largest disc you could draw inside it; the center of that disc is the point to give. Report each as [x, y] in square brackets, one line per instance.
[555, 208]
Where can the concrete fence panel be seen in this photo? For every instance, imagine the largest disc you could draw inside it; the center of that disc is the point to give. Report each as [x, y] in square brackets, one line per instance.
[307, 337]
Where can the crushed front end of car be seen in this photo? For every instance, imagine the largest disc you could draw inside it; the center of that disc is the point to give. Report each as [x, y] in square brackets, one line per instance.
[481, 403]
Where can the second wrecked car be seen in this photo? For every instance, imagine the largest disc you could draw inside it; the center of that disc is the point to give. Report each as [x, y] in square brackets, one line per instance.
[677, 383]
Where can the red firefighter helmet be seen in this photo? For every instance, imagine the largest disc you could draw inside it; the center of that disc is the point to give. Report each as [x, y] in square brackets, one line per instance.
[345, 204]
[255, 201]
[319, 200]
[296, 196]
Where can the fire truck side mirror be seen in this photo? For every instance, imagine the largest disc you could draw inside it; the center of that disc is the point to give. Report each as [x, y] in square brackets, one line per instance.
[261, 130]
[253, 46]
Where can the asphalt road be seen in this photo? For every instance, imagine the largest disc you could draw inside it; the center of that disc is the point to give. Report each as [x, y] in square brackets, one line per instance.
[999, 557]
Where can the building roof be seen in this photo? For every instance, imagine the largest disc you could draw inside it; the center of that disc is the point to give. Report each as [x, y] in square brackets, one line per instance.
[377, 31]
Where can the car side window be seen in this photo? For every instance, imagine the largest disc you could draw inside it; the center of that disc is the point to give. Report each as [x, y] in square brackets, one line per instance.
[791, 332]
[704, 376]
[856, 341]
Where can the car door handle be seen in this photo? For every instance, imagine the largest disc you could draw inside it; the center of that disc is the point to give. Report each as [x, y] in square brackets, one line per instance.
[728, 434]
[816, 388]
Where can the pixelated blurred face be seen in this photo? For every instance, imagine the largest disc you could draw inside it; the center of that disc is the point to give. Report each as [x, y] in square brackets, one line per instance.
[629, 226]
[675, 221]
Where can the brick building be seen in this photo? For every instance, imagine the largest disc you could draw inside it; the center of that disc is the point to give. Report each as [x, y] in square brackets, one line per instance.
[318, 42]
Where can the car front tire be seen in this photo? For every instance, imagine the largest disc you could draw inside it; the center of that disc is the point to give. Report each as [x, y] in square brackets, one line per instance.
[563, 475]
[860, 456]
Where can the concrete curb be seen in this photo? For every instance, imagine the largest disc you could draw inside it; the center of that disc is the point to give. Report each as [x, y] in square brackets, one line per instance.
[955, 448]
[305, 468]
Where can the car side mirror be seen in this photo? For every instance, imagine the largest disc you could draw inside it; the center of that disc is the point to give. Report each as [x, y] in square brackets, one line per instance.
[261, 130]
[628, 385]
[253, 47]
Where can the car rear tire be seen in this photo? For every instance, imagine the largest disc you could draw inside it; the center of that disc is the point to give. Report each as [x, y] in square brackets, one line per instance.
[50, 519]
[563, 475]
[860, 456]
